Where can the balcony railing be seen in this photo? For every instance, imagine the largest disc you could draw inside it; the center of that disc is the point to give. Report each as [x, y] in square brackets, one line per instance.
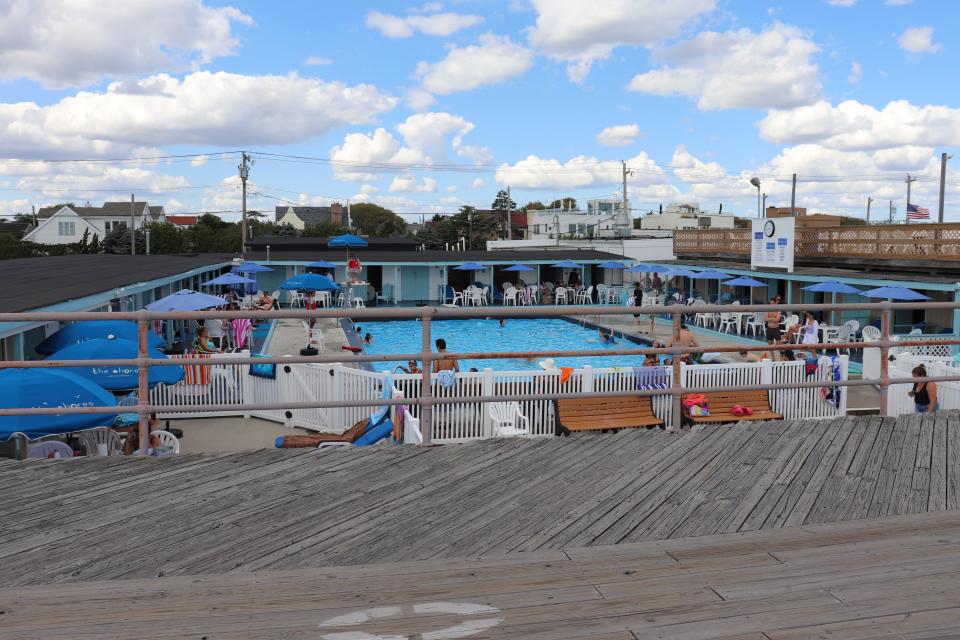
[883, 242]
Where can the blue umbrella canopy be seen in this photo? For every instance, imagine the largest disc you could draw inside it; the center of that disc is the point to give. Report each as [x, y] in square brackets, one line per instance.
[566, 264]
[712, 274]
[895, 293]
[322, 264]
[185, 300]
[831, 286]
[310, 282]
[251, 267]
[88, 330]
[646, 268]
[519, 267]
[116, 377]
[470, 266]
[680, 273]
[611, 264]
[40, 388]
[347, 240]
[745, 281]
[229, 278]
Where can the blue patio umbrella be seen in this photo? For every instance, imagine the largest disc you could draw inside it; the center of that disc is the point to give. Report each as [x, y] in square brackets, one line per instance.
[895, 293]
[229, 279]
[831, 286]
[321, 264]
[680, 273]
[645, 268]
[519, 267]
[310, 282]
[470, 266]
[566, 264]
[40, 388]
[251, 267]
[611, 264]
[745, 281]
[712, 274]
[347, 240]
[116, 377]
[90, 329]
[185, 300]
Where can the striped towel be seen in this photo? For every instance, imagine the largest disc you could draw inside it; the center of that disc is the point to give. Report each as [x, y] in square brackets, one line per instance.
[196, 373]
[242, 332]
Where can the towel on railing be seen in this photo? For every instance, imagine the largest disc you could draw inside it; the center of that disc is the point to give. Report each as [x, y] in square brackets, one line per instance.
[242, 331]
[565, 373]
[650, 377]
[196, 373]
[831, 395]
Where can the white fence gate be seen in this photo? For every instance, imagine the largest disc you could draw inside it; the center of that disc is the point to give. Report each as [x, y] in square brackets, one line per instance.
[948, 393]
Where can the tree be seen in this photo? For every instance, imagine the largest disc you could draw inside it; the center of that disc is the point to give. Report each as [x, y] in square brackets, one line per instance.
[287, 231]
[368, 218]
[165, 238]
[430, 238]
[324, 230]
[23, 218]
[503, 202]
[118, 241]
[393, 228]
[536, 205]
[466, 223]
[564, 203]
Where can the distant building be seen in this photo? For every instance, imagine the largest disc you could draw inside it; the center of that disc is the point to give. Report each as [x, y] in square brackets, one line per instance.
[65, 224]
[784, 212]
[603, 218]
[303, 217]
[182, 221]
[686, 215]
[16, 229]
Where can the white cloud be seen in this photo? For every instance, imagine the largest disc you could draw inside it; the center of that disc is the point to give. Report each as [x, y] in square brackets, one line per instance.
[62, 43]
[368, 188]
[738, 69]
[898, 3]
[493, 61]
[856, 73]
[621, 135]
[419, 100]
[452, 188]
[842, 3]
[73, 183]
[409, 184]
[317, 61]
[436, 24]
[17, 205]
[852, 125]
[199, 161]
[202, 108]
[427, 139]
[478, 183]
[919, 40]
[569, 31]
[580, 172]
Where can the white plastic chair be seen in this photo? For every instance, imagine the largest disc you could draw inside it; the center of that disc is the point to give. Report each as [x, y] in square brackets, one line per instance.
[50, 448]
[870, 334]
[560, 295]
[167, 439]
[842, 334]
[727, 320]
[510, 296]
[314, 336]
[756, 322]
[297, 299]
[101, 441]
[359, 303]
[276, 298]
[585, 296]
[478, 297]
[507, 420]
[916, 331]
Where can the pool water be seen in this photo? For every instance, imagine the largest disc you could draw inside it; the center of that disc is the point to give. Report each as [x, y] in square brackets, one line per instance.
[478, 335]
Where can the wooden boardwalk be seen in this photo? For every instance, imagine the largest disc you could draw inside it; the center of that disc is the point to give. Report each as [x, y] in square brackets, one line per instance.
[98, 519]
[875, 578]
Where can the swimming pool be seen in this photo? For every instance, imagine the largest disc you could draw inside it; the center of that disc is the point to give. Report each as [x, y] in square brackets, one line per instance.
[479, 335]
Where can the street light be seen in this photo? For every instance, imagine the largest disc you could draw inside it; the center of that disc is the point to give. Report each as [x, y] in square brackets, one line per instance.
[756, 182]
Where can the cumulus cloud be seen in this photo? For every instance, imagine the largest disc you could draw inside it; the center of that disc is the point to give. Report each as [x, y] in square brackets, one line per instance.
[427, 139]
[199, 161]
[737, 69]
[919, 40]
[842, 3]
[435, 24]
[62, 43]
[621, 135]
[852, 125]
[492, 61]
[898, 3]
[317, 61]
[89, 183]
[568, 32]
[202, 108]
[580, 172]
[478, 183]
[409, 184]
[856, 73]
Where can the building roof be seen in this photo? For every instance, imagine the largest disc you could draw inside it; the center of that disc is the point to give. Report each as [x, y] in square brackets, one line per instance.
[112, 209]
[16, 228]
[303, 243]
[500, 256]
[182, 220]
[309, 215]
[34, 283]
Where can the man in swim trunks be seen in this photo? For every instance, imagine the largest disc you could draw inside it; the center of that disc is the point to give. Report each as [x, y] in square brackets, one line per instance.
[442, 363]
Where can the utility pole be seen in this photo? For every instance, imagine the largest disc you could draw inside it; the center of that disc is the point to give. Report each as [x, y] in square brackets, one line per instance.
[349, 219]
[890, 217]
[764, 205]
[943, 180]
[910, 180]
[509, 215]
[244, 168]
[133, 229]
[793, 197]
[869, 200]
[626, 208]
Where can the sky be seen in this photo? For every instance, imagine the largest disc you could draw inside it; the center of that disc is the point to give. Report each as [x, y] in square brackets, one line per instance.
[424, 107]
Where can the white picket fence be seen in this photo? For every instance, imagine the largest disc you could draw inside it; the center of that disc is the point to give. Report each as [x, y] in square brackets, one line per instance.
[469, 417]
[948, 393]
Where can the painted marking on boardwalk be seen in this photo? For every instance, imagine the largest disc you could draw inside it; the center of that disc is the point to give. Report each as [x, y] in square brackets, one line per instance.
[468, 627]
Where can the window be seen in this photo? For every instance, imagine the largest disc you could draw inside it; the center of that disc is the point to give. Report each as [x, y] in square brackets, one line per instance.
[116, 224]
[67, 229]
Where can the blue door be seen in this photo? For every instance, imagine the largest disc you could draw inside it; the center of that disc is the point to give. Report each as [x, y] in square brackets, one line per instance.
[414, 283]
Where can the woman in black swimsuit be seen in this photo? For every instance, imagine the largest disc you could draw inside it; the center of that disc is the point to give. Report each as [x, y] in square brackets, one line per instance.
[924, 394]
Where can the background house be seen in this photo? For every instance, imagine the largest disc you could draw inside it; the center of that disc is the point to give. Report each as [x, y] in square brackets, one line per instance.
[66, 223]
[303, 217]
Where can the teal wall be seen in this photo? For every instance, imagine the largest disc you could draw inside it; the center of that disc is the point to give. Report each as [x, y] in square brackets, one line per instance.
[415, 283]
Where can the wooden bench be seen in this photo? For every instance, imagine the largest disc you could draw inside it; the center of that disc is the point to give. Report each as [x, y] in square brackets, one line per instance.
[587, 414]
[721, 402]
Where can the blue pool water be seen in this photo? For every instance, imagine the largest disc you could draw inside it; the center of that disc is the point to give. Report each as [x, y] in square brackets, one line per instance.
[476, 335]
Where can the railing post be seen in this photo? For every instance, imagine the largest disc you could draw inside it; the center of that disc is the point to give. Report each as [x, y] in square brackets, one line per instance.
[676, 417]
[143, 372]
[586, 381]
[426, 393]
[884, 357]
[844, 391]
[486, 390]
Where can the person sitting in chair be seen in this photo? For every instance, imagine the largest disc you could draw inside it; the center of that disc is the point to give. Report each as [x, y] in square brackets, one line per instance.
[265, 303]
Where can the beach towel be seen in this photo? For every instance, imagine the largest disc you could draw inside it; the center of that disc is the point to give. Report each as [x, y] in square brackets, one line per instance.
[196, 374]
[831, 395]
[242, 332]
[565, 373]
[650, 377]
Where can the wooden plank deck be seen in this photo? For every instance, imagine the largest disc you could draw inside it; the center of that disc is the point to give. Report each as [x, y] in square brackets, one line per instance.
[101, 519]
[877, 578]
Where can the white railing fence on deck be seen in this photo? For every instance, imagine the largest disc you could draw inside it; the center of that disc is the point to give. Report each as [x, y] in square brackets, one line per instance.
[469, 419]
[948, 393]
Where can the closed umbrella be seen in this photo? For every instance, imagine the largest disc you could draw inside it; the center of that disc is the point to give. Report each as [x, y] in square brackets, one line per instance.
[90, 329]
[185, 300]
[116, 377]
[41, 388]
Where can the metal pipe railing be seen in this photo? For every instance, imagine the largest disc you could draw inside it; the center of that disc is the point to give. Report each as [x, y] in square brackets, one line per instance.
[425, 314]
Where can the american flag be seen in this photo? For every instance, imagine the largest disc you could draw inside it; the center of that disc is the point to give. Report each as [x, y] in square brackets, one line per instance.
[917, 213]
